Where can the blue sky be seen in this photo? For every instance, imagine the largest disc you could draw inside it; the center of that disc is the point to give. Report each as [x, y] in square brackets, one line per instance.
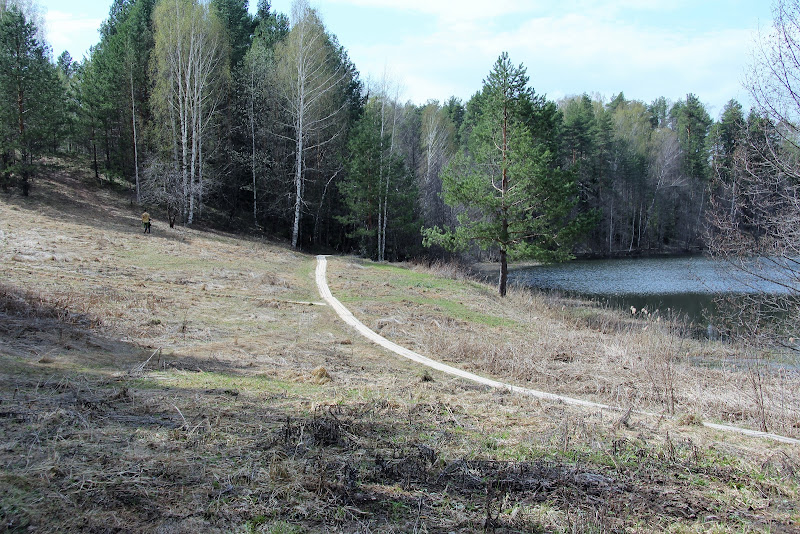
[434, 49]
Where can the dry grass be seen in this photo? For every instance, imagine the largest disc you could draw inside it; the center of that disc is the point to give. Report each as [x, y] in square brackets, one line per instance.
[641, 361]
[186, 381]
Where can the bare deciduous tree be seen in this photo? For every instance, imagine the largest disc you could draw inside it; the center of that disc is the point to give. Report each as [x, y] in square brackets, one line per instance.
[437, 148]
[161, 185]
[310, 79]
[387, 93]
[256, 77]
[190, 63]
[754, 222]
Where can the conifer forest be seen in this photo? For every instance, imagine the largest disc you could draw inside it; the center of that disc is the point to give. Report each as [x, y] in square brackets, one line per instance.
[262, 123]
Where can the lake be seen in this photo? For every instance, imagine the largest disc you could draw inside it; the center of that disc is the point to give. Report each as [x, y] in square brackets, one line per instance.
[684, 285]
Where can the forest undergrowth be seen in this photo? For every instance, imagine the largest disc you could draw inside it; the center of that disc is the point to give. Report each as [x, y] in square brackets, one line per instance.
[191, 380]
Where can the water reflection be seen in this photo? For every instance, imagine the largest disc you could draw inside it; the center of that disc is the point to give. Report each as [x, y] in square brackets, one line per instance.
[684, 285]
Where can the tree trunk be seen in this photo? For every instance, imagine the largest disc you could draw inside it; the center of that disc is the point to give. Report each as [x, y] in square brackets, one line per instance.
[94, 150]
[504, 222]
[135, 142]
[192, 173]
[200, 174]
[107, 143]
[299, 133]
[298, 183]
[503, 272]
[611, 227]
[21, 113]
[385, 217]
[186, 179]
[252, 118]
[384, 96]
[633, 229]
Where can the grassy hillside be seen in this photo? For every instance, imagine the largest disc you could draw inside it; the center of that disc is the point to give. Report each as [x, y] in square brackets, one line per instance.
[192, 381]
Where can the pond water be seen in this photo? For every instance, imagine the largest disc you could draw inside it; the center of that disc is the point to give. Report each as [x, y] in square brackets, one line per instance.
[683, 285]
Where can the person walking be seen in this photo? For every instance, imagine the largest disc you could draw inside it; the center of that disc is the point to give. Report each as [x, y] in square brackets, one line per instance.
[146, 222]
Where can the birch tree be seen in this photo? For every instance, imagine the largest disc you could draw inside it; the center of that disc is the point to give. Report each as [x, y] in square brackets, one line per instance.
[365, 194]
[191, 69]
[437, 144]
[310, 79]
[255, 70]
[755, 208]
[32, 12]
[135, 39]
[389, 115]
[663, 176]
[258, 99]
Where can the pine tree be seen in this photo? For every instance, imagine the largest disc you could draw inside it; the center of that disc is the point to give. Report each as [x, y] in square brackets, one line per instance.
[512, 196]
[27, 81]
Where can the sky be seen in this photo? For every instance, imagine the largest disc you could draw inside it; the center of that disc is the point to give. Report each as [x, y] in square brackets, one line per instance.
[434, 49]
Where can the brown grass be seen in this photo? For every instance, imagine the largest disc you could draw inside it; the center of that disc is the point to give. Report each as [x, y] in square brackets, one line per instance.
[186, 381]
[643, 361]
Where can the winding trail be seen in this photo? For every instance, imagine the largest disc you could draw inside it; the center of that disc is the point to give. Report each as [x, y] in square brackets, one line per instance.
[350, 319]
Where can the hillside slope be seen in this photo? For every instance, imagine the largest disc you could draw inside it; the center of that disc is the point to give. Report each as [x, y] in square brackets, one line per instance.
[190, 380]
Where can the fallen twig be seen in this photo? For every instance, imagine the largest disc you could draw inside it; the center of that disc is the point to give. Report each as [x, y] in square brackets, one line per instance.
[139, 369]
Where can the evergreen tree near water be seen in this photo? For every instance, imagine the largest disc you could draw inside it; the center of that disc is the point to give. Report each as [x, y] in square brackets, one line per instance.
[512, 196]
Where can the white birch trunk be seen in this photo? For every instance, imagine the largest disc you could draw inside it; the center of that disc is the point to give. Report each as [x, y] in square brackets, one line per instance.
[190, 61]
[309, 78]
[252, 118]
[299, 135]
[382, 172]
[135, 141]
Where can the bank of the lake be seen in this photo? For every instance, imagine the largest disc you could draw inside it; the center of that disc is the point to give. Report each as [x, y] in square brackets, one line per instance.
[682, 285]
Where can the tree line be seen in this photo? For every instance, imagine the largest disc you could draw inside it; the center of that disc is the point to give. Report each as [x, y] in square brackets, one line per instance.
[263, 122]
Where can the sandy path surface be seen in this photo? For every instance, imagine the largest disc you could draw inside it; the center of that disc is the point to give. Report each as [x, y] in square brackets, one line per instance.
[349, 318]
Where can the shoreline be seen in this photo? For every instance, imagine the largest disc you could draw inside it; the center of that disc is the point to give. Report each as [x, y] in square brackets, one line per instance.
[489, 270]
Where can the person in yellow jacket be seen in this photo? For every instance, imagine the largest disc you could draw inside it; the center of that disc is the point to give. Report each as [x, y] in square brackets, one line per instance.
[146, 222]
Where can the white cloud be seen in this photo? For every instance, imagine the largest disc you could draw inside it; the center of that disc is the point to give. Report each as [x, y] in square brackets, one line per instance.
[72, 32]
[645, 48]
[481, 10]
[566, 54]
[448, 9]
[575, 54]
[609, 7]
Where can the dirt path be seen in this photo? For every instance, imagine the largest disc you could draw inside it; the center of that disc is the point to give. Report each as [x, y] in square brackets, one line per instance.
[349, 318]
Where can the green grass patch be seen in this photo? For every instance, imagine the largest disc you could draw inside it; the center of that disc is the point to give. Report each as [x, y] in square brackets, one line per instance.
[452, 309]
[404, 277]
[445, 296]
[253, 384]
